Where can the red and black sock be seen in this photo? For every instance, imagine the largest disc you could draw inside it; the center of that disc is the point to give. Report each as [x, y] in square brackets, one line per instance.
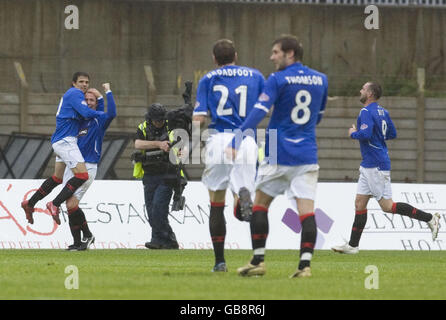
[84, 226]
[217, 229]
[308, 239]
[259, 233]
[406, 209]
[358, 227]
[75, 222]
[47, 186]
[70, 187]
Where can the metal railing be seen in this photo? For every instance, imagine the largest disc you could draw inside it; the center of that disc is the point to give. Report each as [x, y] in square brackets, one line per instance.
[402, 3]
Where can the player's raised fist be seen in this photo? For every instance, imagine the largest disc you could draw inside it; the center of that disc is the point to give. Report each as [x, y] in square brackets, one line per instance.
[106, 86]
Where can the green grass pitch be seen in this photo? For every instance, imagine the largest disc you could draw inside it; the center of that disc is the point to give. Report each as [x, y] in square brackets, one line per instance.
[186, 275]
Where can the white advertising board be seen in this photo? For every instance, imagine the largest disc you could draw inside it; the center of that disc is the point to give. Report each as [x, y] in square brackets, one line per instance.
[117, 217]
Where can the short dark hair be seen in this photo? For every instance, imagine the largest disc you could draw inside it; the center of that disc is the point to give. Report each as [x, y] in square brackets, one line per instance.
[224, 51]
[288, 42]
[79, 74]
[375, 89]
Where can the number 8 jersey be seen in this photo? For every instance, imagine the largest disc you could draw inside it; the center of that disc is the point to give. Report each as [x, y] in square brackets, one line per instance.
[298, 94]
[229, 94]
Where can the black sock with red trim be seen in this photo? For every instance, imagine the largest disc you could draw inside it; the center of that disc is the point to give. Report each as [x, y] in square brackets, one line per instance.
[358, 226]
[406, 209]
[84, 225]
[75, 222]
[47, 186]
[217, 229]
[259, 233]
[308, 239]
[70, 187]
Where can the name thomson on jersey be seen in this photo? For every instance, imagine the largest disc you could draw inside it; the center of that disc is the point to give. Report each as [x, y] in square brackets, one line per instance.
[310, 80]
[230, 73]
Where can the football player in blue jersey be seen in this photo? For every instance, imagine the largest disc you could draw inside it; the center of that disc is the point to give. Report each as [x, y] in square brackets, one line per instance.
[298, 94]
[71, 111]
[227, 94]
[90, 138]
[373, 127]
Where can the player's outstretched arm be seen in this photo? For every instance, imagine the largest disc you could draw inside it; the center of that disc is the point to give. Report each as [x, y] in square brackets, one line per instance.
[111, 105]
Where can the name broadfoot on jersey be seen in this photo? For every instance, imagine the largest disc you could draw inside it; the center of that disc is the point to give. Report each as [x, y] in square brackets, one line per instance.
[228, 94]
[231, 72]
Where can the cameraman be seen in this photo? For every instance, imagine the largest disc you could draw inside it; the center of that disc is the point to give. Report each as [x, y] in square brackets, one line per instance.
[152, 138]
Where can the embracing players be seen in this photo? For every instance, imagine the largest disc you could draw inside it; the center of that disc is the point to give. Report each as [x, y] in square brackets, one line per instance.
[71, 111]
[90, 138]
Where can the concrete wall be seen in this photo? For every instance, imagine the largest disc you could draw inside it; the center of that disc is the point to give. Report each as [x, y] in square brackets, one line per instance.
[339, 155]
[116, 39]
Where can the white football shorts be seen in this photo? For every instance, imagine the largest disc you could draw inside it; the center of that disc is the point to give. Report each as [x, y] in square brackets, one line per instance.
[222, 172]
[374, 182]
[297, 181]
[68, 151]
[92, 169]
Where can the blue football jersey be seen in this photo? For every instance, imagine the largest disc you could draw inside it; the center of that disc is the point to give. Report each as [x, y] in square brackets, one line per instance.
[228, 94]
[374, 127]
[72, 109]
[92, 131]
[299, 95]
